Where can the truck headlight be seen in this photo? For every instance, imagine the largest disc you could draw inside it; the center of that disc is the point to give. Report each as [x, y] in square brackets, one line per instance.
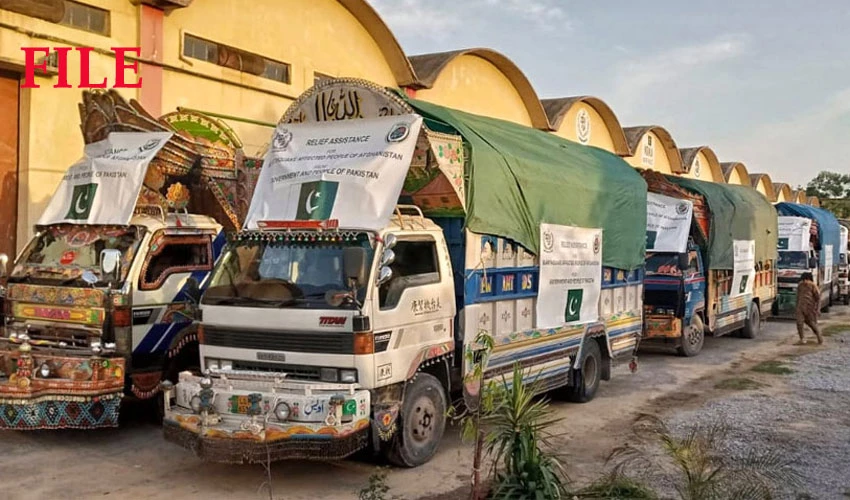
[226, 364]
[328, 374]
[212, 363]
[348, 376]
[281, 411]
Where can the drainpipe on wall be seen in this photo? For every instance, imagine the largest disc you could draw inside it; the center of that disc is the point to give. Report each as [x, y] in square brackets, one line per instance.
[150, 42]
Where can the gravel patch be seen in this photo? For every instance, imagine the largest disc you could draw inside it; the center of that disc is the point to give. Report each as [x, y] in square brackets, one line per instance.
[808, 423]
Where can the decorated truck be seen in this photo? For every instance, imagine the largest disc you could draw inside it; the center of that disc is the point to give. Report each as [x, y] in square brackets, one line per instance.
[100, 303]
[844, 264]
[809, 241]
[710, 262]
[340, 319]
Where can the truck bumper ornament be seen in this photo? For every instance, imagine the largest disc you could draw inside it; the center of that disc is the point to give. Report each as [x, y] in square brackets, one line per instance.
[58, 392]
[259, 419]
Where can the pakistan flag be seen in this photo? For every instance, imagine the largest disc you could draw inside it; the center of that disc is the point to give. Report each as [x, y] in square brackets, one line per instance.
[82, 201]
[573, 309]
[316, 200]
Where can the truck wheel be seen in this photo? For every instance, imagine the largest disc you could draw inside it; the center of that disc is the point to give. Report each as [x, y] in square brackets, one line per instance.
[693, 338]
[847, 300]
[589, 376]
[828, 304]
[753, 325]
[422, 423]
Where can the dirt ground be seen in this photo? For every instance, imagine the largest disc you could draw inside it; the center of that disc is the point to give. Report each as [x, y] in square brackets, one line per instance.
[135, 462]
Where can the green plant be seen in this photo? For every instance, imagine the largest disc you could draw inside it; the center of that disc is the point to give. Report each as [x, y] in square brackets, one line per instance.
[698, 466]
[377, 488]
[614, 485]
[773, 367]
[739, 384]
[831, 330]
[517, 440]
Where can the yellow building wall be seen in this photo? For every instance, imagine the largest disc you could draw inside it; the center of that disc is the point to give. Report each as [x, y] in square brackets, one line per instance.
[780, 197]
[651, 157]
[310, 35]
[598, 136]
[761, 187]
[472, 84]
[735, 178]
[50, 140]
[701, 169]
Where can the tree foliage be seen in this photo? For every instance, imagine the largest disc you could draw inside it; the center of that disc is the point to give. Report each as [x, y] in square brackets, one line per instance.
[829, 185]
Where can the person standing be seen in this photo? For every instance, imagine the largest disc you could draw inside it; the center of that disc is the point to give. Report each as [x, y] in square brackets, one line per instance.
[808, 307]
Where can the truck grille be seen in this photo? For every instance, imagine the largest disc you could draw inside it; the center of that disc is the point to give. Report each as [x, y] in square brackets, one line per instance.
[318, 342]
[297, 372]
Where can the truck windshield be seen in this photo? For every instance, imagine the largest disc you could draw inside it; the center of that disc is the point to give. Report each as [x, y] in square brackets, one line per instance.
[663, 264]
[792, 260]
[280, 274]
[60, 253]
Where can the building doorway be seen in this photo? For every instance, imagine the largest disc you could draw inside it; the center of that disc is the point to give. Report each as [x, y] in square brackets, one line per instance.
[9, 110]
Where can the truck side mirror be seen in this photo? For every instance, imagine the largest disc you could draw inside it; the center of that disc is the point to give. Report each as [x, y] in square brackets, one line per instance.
[384, 275]
[683, 261]
[389, 241]
[813, 262]
[354, 265]
[110, 264]
[4, 263]
[193, 289]
[387, 257]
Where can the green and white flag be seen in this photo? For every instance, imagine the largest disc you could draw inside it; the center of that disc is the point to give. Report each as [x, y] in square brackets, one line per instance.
[570, 275]
[794, 234]
[745, 267]
[668, 223]
[103, 186]
[352, 171]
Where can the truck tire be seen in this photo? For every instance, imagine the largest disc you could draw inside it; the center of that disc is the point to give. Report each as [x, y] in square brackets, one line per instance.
[828, 304]
[422, 423]
[693, 338]
[847, 300]
[752, 327]
[589, 376]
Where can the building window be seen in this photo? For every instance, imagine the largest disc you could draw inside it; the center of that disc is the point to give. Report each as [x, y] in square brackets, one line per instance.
[231, 57]
[276, 71]
[320, 77]
[86, 18]
[196, 48]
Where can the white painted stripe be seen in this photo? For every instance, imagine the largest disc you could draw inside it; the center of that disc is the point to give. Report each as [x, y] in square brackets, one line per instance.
[163, 337]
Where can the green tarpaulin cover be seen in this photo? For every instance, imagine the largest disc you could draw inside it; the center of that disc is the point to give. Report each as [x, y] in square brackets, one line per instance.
[519, 177]
[737, 213]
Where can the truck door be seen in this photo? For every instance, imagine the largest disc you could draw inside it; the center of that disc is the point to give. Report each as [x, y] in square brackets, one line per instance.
[415, 307]
[160, 305]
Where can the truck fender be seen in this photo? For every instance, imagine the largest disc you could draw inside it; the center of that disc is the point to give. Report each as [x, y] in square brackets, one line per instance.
[386, 406]
[593, 331]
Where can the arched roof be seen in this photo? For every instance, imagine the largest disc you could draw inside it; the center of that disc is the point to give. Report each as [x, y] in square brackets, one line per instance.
[556, 109]
[764, 180]
[690, 154]
[386, 40]
[728, 167]
[429, 66]
[799, 196]
[635, 134]
[781, 187]
[814, 201]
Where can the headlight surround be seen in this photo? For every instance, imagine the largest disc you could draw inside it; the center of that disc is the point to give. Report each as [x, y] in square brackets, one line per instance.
[212, 363]
[226, 364]
[348, 376]
[282, 411]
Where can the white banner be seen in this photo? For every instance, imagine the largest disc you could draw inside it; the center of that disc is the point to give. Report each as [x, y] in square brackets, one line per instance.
[351, 171]
[668, 223]
[570, 275]
[827, 272]
[794, 234]
[103, 187]
[745, 267]
[842, 245]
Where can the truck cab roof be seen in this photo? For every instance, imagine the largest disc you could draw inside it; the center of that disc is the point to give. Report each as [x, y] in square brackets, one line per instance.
[189, 222]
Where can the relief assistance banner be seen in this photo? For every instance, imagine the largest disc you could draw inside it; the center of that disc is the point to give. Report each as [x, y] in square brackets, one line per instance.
[668, 223]
[827, 270]
[103, 186]
[744, 252]
[570, 275]
[794, 234]
[352, 171]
